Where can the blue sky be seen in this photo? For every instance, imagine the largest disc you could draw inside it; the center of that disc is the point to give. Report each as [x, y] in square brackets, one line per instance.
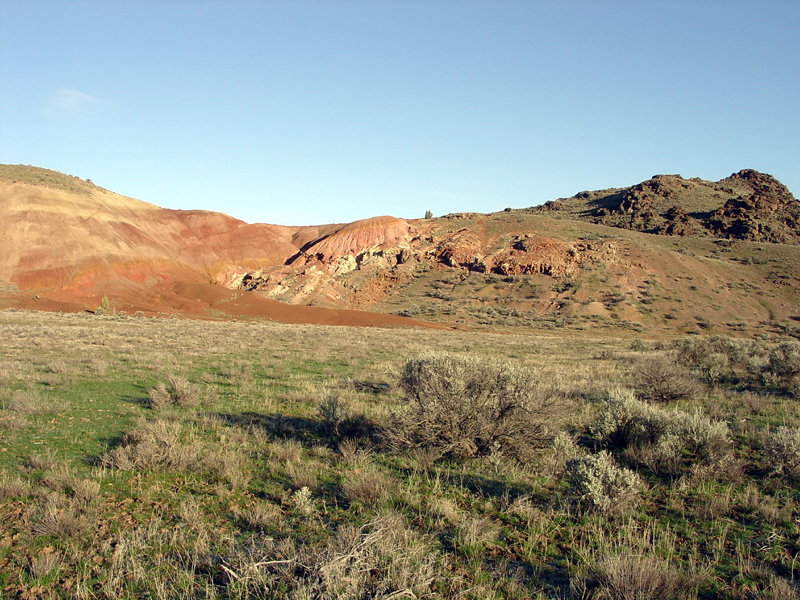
[330, 111]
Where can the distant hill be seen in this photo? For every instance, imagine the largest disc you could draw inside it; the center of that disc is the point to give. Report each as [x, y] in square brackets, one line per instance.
[662, 257]
[748, 205]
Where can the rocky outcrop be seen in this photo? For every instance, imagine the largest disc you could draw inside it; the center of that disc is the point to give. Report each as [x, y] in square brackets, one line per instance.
[768, 213]
[539, 255]
[462, 249]
[748, 205]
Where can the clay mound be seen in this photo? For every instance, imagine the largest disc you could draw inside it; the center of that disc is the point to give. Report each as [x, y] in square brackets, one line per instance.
[216, 241]
[377, 233]
[66, 243]
[54, 236]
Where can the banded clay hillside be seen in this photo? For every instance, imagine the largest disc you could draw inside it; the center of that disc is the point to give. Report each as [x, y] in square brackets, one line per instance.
[666, 256]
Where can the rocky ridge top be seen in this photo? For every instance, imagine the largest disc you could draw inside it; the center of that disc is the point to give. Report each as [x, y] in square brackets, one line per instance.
[748, 205]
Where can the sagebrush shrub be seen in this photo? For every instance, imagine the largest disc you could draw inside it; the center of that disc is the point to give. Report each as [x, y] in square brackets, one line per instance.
[564, 449]
[467, 408]
[333, 410]
[781, 450]
[665, 456]
[662, 380]
[177, 390]
[752, 362]
[664, 434]
[625, 421]
[159, 396]
[600, 484]
[784, 363]
[184, 394]
[703, 438]
[339, 418]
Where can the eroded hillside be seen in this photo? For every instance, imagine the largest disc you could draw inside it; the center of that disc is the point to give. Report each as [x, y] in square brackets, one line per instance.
[517, 270]
[666, 256]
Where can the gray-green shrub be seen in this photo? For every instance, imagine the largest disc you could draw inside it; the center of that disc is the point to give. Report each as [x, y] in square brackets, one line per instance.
[704, 439]
[465, 407]
[784, 363]
[600, 484]
[781, 451]
[624, 422]
[756, 363]
[177, 390]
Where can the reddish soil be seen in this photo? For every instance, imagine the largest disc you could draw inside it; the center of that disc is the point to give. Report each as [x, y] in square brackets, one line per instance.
[66, 243]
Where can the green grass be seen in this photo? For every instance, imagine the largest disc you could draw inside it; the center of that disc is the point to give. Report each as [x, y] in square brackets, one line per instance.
[251, 493]
[46, 178]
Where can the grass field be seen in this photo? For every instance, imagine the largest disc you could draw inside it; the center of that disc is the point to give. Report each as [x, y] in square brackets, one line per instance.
[145, 458]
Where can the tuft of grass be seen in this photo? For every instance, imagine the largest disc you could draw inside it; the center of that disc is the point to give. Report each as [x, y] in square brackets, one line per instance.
[13, 486]
[367, 486]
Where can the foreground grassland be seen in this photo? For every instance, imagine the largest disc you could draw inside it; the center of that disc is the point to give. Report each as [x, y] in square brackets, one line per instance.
[174, 458]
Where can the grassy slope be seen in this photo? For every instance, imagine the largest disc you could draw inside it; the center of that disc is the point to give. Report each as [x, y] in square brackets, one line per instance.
[249, 494]
[47, 178]
[655, 284]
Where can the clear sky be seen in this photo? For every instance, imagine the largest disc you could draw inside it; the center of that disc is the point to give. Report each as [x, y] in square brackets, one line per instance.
[299, 112]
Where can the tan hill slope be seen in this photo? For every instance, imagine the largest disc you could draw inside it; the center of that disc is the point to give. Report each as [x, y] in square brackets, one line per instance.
[519, 271]
[54, 235]
[666, 256]
[597, 261]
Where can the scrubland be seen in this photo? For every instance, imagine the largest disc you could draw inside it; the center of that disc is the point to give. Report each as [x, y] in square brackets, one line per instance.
[176, 458]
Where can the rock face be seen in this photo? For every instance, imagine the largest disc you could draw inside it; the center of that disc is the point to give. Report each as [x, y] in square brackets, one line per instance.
[769, 212]
[532, 254]
[748, 205]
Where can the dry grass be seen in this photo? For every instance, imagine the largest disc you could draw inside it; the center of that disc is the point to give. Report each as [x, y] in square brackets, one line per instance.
[367, 486]
[30, 403]
[45, 461]
[44, 565]
[238, 497]
[59, 519]
[13, 486]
